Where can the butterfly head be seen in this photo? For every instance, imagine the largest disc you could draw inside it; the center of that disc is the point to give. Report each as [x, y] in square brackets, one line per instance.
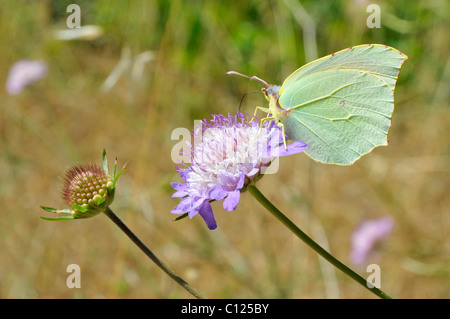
[271, 92]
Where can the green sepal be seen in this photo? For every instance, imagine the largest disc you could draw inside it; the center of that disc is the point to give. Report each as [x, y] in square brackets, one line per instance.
[106, 169]
[100, 200]
[105, 162]
[81, 209]
[59, 218]
[181, 217]
[57, 211]
[116, 177]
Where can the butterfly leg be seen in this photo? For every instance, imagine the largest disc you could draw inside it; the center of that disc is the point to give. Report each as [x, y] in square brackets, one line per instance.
[268, 118]
[264, 109]
[281, 125]
[261, 123]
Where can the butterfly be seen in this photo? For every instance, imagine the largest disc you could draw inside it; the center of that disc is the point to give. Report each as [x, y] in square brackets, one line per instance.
[340, 105]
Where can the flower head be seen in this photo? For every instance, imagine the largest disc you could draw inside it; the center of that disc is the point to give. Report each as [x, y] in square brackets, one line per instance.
[24, 73]
[88, 190]
[366, 237]
[88, 187]
[228, 154]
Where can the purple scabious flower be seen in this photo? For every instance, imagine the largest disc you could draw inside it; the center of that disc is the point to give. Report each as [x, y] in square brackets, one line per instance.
[227, 154]
[24, 73]
[366, 237]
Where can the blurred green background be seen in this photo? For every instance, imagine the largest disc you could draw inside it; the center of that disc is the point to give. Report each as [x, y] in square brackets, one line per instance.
[67, 118]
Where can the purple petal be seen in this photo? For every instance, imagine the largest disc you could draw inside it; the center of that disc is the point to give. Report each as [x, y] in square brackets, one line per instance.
[179, 186]
[24, 73]
[217, 193]
[365, 237]
[293, 148]
[180, 194]
[252, 172]
[227, 180]
[181, 189]
[230, 203]
[197, 203]
[240, 182]
[183, 207]
[208, 216]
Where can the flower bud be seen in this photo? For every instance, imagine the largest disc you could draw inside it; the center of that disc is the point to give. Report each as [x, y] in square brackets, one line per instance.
[88, 190]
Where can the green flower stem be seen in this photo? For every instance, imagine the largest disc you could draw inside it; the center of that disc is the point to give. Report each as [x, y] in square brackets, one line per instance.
[311, 243]
[150, 254]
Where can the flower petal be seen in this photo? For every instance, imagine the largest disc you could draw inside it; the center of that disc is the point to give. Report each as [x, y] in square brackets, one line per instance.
[240, 182]
[178, 186]
[365, 237]
[183, 207]
[181, 189]
[293, 148]
[252, 172]
[23, 73]
[217, 192]
[207, 214]
[230, 203]
[227, 180]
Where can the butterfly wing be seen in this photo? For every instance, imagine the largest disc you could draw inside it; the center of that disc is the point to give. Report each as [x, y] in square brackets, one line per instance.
[341, 105]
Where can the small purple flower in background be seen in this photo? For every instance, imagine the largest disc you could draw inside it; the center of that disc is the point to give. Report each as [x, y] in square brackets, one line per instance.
[366, 236]
[228, 154]
[24, 73]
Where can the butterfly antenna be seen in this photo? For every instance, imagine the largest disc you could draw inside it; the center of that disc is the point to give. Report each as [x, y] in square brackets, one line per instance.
[242, 99]
[253, 78]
